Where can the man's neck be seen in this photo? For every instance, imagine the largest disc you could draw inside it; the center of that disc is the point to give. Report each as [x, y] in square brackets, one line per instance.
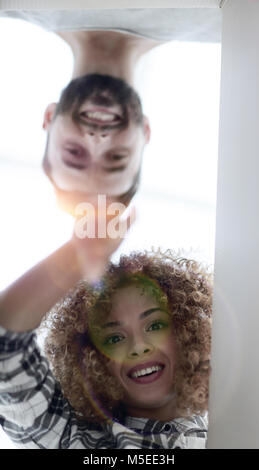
[106, 52]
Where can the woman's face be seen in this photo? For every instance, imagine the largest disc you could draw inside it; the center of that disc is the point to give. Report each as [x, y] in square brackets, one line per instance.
[138, 340]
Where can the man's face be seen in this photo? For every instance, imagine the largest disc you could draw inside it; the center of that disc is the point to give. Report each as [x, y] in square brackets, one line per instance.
[138, 340]
[96, 136]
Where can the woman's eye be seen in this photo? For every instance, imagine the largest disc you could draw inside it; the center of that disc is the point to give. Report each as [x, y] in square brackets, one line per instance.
[113, 340]
[158, 325]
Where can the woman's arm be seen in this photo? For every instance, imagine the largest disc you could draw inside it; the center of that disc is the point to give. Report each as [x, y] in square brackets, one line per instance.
[23, 303]
[30, 397]
[29, 298]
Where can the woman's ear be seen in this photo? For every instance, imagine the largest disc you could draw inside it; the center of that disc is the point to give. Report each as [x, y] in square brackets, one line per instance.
[147, 129]
[48, 115]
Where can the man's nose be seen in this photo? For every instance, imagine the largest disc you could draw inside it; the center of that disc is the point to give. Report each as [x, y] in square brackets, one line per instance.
[96, 142]
[97, 135]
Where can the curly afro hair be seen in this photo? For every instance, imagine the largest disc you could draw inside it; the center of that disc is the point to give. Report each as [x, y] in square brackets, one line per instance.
[181, 286]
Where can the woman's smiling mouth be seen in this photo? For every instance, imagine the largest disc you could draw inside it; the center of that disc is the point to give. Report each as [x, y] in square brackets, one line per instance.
[146, 373]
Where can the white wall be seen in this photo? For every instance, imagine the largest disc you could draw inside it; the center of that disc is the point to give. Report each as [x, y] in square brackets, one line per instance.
[234, 395]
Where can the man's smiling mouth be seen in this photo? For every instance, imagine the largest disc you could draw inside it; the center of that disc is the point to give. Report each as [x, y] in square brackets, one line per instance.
[99, 115]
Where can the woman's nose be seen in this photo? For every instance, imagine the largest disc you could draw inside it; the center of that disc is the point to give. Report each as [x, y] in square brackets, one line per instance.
[139, 348]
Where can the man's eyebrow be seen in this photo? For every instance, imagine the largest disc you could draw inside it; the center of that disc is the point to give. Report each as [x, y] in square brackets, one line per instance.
[143, 315]
[114, 169]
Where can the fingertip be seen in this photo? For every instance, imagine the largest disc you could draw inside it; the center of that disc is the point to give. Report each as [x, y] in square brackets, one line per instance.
[133, 215]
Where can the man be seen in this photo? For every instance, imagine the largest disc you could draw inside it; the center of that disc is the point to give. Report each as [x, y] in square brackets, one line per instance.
[96, 134]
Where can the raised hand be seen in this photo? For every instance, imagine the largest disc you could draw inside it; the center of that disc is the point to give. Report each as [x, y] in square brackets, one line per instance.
[98, 232]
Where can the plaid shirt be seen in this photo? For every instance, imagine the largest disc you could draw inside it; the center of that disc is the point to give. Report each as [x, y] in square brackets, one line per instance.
[35, 414]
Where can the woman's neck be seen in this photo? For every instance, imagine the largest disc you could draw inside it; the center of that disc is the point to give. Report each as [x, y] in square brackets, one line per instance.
[165, 413]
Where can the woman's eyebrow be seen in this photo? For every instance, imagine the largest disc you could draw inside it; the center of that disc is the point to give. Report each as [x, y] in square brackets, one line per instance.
[111, 324]
[149, 312]
[143, 315]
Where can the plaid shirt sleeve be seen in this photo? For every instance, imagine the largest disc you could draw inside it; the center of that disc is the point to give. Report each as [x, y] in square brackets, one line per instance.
[33, 411]
[35, 415]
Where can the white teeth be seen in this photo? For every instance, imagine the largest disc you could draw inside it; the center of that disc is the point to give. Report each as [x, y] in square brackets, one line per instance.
[146, 371]
[101, 116]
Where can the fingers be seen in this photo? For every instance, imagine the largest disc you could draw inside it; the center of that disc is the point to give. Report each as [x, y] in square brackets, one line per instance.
[132, 217]
[96, 240]
[110, 224]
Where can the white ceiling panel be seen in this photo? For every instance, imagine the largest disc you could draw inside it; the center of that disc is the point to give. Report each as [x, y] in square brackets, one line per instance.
[95, 4]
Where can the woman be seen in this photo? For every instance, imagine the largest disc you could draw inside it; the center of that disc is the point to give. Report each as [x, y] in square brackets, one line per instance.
[132, 354]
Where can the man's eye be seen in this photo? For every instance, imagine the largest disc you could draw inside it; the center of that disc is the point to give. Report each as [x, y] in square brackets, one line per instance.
[158, 325]
[73, 151]
[113, 340]
[117, 157]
